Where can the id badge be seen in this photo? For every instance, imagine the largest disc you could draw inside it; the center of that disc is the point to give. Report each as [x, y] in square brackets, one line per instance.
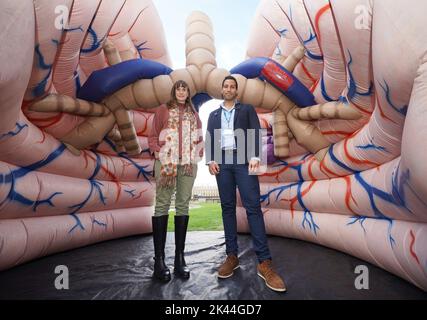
[228, 135]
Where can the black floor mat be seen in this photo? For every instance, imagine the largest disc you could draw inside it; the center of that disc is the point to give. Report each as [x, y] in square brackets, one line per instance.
[122, 269]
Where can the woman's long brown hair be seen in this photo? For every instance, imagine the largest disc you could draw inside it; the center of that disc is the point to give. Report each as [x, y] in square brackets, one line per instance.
[173, 101]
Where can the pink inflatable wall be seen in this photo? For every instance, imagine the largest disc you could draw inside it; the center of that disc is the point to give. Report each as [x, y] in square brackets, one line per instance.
[357, 185]
[50, 199]
[367, 196]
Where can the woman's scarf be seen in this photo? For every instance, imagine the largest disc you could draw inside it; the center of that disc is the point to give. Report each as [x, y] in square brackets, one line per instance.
[169, 154]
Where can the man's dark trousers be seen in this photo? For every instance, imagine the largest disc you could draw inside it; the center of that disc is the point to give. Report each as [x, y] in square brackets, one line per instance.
[230, 176]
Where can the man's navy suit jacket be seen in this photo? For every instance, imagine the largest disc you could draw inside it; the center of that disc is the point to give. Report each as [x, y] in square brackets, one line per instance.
[245, 117]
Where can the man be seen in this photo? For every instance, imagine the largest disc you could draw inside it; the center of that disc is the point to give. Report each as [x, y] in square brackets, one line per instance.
[225, 126]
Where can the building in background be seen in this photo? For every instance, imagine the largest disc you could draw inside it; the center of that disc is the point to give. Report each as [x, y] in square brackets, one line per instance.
[206, 194]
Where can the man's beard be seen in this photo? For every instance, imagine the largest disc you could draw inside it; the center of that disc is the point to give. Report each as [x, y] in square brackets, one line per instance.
[232, 97]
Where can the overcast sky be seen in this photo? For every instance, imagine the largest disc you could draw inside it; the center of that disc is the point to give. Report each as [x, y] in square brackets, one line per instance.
[231, 20]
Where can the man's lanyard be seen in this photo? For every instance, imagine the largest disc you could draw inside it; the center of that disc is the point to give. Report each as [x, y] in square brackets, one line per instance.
[228, 119]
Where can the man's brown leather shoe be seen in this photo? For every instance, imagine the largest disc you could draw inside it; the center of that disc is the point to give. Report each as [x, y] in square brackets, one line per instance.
[271, 278]
[230, 264]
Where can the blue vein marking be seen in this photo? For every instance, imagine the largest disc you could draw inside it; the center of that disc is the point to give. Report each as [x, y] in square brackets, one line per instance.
[18, 173]
[111, 144]
[47, 201]
[95, 187]
[402, 110]
[39, 89]
[102, 224]
[279, 190]
[372, 191]
[282, 32]
[40, 59]
[338, 162]
[324, 93]
[78, 223]
[308, 216]
[73, 29]
[140, 47]
[311, 37]
[278, 50]
[308, 53]
[398, 183]
[313, 56]
[373, 146]
[95, 43]
[360, 219]
[18, 128]
[141, 169]
[352, 89]
[113, 147]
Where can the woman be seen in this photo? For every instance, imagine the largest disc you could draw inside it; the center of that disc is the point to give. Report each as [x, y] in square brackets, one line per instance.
[176, 142]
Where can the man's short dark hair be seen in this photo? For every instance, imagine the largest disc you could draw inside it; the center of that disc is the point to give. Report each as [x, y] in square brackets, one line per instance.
[230, 78]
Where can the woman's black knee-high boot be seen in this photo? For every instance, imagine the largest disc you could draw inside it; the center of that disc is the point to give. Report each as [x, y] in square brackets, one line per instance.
[181, 224]
[160, 227]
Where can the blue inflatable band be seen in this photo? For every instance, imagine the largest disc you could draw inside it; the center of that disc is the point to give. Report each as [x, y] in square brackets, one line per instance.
[199, 99]
[105, 82]
[276, 75]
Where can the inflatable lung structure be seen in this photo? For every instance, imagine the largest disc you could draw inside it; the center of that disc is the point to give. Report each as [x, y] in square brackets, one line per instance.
[363, 189]
[340, 86]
